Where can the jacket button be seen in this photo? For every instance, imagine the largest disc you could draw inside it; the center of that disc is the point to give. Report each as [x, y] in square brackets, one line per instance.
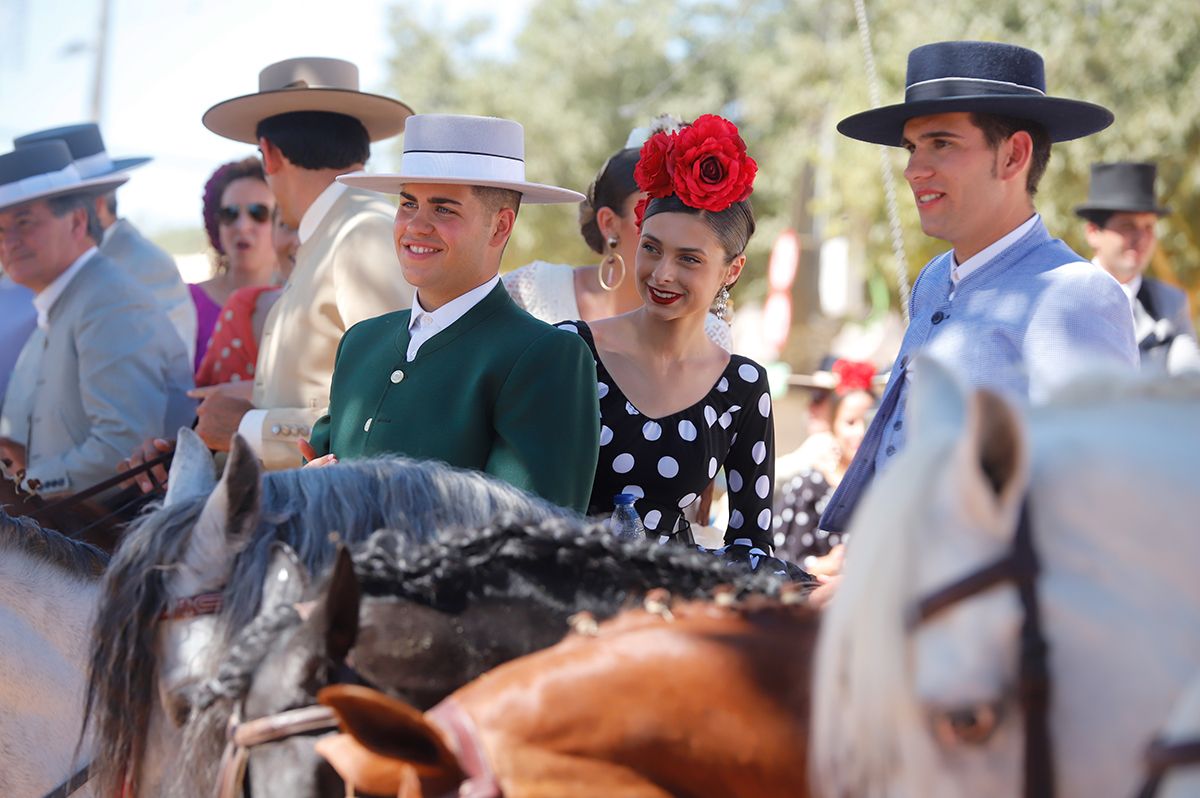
[367, 426]
[937, 317]
[904, 362]
[891, 450]
[898, 425]
[275, 429]
[397, 375]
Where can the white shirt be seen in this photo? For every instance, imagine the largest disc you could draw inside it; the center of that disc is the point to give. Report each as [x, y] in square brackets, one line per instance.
[1131, 289]
[424, 324]
[961, 271]
[45, 300]
[320, 208]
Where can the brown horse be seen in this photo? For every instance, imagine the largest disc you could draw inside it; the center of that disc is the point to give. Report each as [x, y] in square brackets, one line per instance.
[695, 699]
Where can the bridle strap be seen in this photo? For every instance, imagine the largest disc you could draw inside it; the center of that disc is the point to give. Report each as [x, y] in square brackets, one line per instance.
[72, 784]
[242, 736]
[100, 487]
[1161, 756]
[1006, 568]
[194, 606]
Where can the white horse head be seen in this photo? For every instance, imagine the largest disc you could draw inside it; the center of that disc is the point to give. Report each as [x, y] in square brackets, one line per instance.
[932, 710]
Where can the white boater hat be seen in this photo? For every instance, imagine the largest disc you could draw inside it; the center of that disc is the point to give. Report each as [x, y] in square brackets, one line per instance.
[464, 150]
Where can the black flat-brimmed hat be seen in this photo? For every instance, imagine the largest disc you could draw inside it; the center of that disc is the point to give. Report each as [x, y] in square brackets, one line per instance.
[44, 170]
[1119, 187]
[984, 77]
[87, 149]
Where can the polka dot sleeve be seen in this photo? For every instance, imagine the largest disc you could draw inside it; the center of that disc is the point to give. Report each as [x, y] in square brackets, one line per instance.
[750, 464]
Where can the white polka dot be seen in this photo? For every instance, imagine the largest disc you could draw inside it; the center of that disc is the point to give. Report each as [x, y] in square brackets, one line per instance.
[237, 343]
[217, 328]
[634, 490]
[723, 385]
[229, 314]
[764, 519]
[735, 480]
[710, 415]
[630, 409]
[651, 431]
[606, 435]
[225, 352]
[743, 542]
[806, 539]
[569, 328]
[801, 518]
[623, 463]
[762, 486]
[663, 539]
[787, 514]
[668, 466]
[250, 369]
[764, 405]
[687, 430]
[686, 500]
[601, 390]
[235, 378]
[759, 452]
[725, 420]
[736, 520]
[712, 467]
[747, 372]
[652, 519]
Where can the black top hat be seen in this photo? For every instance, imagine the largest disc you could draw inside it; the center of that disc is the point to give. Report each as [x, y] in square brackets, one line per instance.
[1122, 187]
[986, 77]
[87, 149]
[45, 170]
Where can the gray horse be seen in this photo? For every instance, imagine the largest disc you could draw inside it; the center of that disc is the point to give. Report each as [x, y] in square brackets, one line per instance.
[212, 540]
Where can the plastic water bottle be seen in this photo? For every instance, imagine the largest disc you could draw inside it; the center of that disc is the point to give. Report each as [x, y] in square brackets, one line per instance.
[626, 525]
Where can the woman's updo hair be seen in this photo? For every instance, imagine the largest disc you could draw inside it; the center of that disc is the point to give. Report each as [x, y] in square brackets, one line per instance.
[732, 226]
[214, 189]
[612, 187]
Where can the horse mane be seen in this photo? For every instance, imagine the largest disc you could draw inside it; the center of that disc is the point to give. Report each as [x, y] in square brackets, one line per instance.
[310, 510]
[46, 546]
[858, 747]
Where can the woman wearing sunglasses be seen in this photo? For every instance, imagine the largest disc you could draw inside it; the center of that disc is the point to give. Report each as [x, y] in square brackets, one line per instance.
[237, 217]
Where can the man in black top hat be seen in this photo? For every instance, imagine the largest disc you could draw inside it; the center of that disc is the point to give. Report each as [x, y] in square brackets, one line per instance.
[1122, 229]
[1008, 307]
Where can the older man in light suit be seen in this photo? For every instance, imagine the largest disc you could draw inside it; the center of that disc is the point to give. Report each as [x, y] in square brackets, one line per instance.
[104, 368]
[1009, 307]
[143, 260]
[311, 124]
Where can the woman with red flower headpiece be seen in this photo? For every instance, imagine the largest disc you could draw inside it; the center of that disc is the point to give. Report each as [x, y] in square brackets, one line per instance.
[674, 406]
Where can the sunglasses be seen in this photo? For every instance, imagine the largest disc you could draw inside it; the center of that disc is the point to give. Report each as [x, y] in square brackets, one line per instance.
[255, 210]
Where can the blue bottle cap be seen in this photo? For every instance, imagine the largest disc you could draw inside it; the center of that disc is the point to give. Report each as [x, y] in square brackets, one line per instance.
[624, 498]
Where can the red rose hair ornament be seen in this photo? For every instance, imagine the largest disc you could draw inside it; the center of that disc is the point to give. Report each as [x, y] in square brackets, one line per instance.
[852, 376]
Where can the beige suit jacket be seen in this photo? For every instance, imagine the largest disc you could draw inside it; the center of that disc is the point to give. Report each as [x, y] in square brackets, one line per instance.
[345, 272]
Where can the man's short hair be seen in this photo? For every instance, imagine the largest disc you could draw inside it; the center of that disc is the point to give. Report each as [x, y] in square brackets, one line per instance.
[494, 199]
[63, 204]
[998, 128]
[317, 139]
[110, 202]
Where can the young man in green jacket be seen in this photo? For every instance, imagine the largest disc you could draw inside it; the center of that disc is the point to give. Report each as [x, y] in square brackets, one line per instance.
[465, 376]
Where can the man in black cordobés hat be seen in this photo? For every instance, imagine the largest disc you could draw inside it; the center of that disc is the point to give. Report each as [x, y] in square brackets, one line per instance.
[1008, 307]
[1122, 219]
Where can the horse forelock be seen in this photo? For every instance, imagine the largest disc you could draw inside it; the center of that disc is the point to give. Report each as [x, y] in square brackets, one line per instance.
[864, 707]
[47, 547]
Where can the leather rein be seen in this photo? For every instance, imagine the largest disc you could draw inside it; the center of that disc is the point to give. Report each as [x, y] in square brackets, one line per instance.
[1161, 756]
[1019, 566]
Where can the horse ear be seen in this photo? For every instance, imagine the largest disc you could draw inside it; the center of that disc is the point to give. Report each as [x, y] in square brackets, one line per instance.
[287, 578]
[228, 519]
[996, 449]
[193, 473]
[340, 606]
[392, 729]
[938, 399]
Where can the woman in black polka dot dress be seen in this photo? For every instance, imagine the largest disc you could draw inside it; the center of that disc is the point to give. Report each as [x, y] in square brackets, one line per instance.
[675, 407]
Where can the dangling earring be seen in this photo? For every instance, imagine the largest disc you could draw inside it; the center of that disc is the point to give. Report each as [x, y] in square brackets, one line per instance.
[721, 306]
[611, 261]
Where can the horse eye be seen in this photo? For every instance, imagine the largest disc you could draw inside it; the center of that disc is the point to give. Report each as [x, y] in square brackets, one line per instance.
[179, 709]
[972, 726]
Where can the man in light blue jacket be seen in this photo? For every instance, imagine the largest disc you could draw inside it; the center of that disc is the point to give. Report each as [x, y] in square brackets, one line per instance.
[1009, 307]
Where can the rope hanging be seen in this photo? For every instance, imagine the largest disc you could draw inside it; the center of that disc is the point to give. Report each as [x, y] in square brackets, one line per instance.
[885, 166]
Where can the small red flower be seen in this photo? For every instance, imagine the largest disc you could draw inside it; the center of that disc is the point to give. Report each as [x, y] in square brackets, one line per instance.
[653, 170]
[853, 376]
[639, 211]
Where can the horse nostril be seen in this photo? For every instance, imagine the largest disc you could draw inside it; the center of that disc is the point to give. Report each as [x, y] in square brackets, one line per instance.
[971, 726]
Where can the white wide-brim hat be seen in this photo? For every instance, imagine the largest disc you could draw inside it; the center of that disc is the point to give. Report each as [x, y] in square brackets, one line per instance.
[307, 84]
[87, 148]
[464, 150]
[43, 171]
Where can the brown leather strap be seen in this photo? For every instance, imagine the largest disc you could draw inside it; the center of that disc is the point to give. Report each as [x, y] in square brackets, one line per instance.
[72, 784]
[241, 736]
[1161, 756]
[194, 606]
[100, 487]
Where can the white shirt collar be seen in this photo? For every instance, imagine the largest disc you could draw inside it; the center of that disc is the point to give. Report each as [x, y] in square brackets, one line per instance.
[450, 312]
[960, 271]
[45, 300]
[317, 211]
[108, 232]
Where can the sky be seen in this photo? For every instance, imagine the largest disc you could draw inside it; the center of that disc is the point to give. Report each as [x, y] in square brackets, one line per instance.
[170, 61]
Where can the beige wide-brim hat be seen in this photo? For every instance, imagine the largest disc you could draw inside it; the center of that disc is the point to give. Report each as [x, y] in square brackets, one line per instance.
[461, 150]
[45, 170]
[307, 84]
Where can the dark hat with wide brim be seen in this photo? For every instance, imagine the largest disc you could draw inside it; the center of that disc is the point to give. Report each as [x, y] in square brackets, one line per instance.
[46, 170]
[307, 84]
[979, 77]
[1122, 187]
[87, 149]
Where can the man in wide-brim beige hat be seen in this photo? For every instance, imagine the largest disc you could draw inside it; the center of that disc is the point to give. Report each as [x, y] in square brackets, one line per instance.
[311, 123]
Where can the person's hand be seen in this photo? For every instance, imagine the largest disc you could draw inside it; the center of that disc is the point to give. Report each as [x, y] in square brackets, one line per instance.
[821, 597]
[150, 449]
[12, 455]
[828, 565]
[220, 413]
[310, 454]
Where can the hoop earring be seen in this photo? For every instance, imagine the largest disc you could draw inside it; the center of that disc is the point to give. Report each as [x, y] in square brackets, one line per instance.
[721, 306]
[612, 259]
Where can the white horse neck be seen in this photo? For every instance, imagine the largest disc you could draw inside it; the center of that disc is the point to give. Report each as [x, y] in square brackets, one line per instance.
[45, 623]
